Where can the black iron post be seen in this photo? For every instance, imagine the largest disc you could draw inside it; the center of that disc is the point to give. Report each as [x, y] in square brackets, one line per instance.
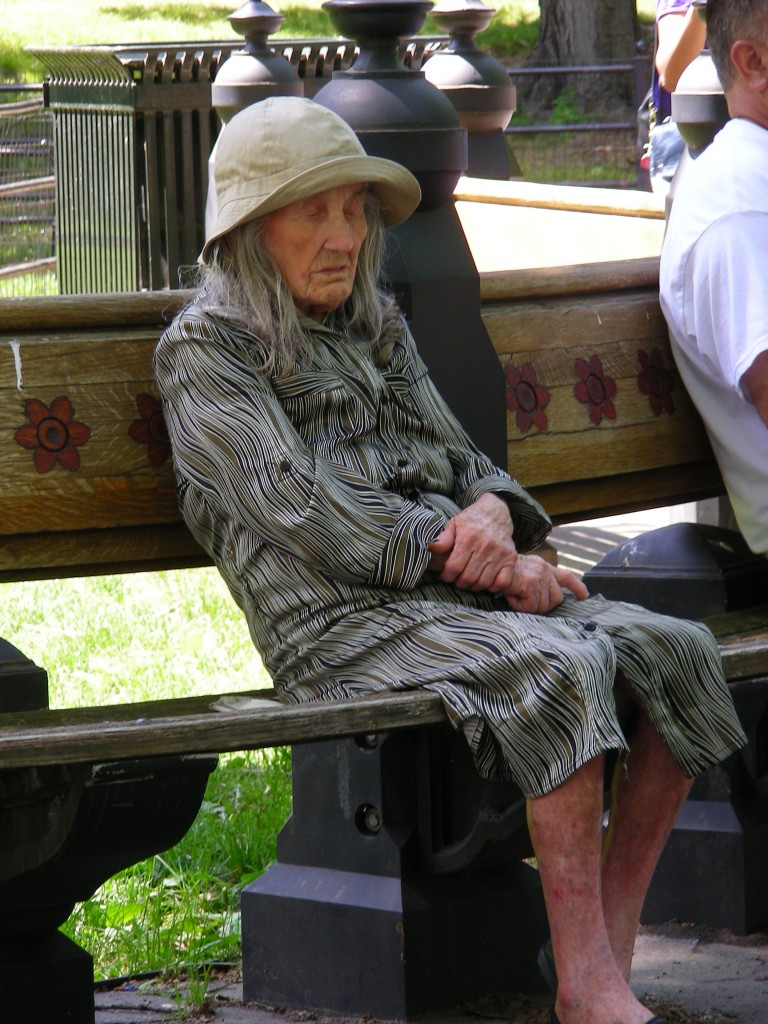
[256, 71]
[398, 114]
[698, 108]
[400, 886]
[477, 85]
[251, 74]
[698, 103]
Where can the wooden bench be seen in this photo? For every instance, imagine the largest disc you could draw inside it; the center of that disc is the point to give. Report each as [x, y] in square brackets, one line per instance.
[115, 510]
[597, 423]
[103, 500]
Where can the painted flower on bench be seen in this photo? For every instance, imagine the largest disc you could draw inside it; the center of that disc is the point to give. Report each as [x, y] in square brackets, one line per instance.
[151, 429]
[656, 381]
[52, 434]
[595, 389]
[526, 398]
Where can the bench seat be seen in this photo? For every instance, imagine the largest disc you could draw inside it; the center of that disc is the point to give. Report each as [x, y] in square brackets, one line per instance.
[192, 725]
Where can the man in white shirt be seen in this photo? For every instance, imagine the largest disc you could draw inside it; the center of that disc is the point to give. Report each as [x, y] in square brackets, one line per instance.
[714, 267]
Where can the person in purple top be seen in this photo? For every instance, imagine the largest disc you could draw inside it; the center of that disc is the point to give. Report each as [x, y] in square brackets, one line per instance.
[680, 37]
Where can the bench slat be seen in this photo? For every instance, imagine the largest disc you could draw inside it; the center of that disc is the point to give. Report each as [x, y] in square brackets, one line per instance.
[98, 552]
[743, 635]
[627, 492]
[111, 506]
[190, 726]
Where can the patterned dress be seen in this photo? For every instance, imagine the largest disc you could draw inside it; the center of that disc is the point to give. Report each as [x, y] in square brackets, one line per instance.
[316, 496]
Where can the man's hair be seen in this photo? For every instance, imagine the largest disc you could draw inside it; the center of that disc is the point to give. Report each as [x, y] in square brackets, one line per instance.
[727, 21]
[242, 284]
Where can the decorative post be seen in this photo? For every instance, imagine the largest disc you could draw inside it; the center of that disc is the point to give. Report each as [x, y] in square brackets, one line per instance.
[400, 115]
[477, 85]
[256, 71]
[400, 886]
[251, 74]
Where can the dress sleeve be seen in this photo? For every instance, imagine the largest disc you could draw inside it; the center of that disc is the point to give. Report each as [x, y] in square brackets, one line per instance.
[475, 474]
[232, 441]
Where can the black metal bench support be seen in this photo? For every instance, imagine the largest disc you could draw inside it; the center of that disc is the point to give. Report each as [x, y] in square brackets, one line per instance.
[65, 829]
[400, 886]
[712, 870]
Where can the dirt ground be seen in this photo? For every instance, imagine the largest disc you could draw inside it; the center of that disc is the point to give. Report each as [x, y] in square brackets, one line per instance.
[155, 1001]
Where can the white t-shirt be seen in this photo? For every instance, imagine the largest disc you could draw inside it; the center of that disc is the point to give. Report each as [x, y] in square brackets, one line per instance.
[714, 294]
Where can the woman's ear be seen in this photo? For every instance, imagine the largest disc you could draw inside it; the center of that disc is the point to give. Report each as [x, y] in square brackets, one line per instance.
[750, 58]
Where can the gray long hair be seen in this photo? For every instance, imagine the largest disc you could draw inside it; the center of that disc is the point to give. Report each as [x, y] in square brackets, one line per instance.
[243, 285]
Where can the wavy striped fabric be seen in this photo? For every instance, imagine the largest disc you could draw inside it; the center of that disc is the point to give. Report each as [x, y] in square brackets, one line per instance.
[316, 496]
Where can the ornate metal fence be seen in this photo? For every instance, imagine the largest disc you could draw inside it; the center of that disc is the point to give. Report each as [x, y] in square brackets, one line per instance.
[27, 232]
[131, 130]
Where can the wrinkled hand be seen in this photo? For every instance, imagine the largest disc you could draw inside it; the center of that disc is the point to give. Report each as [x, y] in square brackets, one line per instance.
[538, 587]
[476, 552]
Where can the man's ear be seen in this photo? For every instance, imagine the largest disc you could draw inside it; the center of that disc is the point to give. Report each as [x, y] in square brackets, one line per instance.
[750, 58]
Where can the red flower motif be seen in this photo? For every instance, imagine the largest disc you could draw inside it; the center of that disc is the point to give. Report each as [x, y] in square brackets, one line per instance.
[656, 381]
[595, 389]
[526, 397]
[52, 434]
[151, 429]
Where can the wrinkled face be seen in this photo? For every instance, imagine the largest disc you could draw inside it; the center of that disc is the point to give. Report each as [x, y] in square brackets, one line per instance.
[315, 243]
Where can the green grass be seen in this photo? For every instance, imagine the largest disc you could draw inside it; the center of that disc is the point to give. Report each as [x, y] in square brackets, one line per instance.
[116, 639]
[180, 910]
[24, 285]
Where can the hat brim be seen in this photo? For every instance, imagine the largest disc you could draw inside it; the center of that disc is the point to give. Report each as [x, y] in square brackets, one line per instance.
[394, 186]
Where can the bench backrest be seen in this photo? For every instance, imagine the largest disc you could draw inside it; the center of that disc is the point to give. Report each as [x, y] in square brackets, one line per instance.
[598, 420]
[618, 431]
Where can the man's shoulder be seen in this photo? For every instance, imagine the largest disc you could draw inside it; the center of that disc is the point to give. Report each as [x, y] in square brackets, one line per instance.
[738, 150]
[729, 178]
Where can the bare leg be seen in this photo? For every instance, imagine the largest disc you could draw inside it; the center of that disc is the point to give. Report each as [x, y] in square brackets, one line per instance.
[566, 830]
[646, 801]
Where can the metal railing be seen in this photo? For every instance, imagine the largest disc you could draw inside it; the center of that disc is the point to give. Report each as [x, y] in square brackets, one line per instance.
[584, 148]
[27, 188]
[132, 128]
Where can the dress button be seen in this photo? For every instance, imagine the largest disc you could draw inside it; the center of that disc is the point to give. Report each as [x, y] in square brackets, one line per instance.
[590, 626]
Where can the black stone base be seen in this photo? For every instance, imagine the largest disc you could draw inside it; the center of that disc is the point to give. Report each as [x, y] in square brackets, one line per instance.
[351, 943]
[46, 981]
[713, 869]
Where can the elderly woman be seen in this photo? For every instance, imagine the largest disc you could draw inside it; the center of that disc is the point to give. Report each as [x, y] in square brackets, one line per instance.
[372, 546]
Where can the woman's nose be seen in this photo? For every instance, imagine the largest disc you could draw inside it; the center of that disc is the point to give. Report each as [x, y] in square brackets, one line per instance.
[339, 234]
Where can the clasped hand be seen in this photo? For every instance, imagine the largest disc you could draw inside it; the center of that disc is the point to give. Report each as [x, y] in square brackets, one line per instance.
[476, 551]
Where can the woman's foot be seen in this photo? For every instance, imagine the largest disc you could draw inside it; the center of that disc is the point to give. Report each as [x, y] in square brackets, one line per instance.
[598, 995]
[554, 1020]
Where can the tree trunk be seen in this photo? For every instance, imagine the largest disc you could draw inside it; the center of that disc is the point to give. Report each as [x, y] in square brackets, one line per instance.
[586, 32]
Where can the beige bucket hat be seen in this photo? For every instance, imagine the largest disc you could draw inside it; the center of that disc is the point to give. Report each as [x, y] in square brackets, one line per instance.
[286, 148]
